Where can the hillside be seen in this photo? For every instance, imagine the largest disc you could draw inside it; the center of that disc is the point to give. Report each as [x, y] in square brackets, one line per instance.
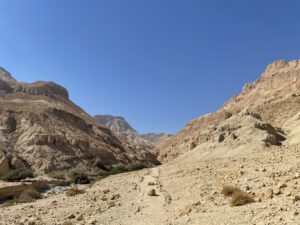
[271, 101]
[42, 129]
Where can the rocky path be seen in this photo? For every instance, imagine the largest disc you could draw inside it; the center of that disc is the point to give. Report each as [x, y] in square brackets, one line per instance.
[153, 197]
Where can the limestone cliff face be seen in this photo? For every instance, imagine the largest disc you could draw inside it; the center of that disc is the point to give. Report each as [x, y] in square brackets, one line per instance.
[272, 99]
[43, 129]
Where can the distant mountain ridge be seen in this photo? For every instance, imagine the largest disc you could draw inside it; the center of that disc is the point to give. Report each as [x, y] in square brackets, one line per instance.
[120, 126]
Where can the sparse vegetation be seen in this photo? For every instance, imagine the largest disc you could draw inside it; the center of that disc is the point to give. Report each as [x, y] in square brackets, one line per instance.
[74, 191]
[57, 175]
[18, 175]
[228, 191]
[78, 177]
[124, 169]
[135, 166]
[238, 197]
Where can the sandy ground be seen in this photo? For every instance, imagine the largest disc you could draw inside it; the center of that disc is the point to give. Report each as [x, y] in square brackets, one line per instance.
[188, 192]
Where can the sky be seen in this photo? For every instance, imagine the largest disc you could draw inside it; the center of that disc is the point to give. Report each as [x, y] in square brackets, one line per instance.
[158, 63]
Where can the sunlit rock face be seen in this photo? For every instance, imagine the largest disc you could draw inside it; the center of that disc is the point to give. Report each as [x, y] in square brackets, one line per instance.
[42, 129]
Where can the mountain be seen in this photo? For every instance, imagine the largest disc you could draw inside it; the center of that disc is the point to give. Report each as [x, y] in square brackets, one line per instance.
[156, 138]
[41, 128]
[270, 101]
[120, 126]
[239, 165]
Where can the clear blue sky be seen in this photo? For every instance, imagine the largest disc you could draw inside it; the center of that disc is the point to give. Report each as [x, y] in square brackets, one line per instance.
[158, 63]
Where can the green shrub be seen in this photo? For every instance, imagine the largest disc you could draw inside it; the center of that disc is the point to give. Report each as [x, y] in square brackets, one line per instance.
[17, 175]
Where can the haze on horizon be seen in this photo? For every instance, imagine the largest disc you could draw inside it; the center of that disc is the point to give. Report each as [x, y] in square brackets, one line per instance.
[156, 63]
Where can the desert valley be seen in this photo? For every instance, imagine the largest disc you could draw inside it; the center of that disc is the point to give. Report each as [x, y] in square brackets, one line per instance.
[238, 165]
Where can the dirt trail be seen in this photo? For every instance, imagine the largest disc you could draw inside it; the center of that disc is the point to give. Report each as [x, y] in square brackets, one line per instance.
[153, 206]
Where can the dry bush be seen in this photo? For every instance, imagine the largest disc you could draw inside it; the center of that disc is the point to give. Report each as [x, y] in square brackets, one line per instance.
[58, 175]
[74, 191]
[29, 195]
[79, 177]
[240, 198]
[229, 190]
[18, 175]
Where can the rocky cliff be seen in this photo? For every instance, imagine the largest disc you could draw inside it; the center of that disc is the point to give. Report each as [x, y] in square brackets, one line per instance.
[41, 128]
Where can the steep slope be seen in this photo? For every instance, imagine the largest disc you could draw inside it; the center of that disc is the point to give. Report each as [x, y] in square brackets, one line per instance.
[272, 99]
[41, 128]
[120, 126]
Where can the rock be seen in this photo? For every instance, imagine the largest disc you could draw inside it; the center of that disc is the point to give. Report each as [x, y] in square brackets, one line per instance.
[115, 196]
[72, 216]
[189, 208]
[269, 194]
[152, 192]
[111, 204]
[192, 145]
[80, 218]
[282, 185]
[277, 192]
[92, 222]
[138, 209]
[221, 138]
[296, 198]
[186, 210]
